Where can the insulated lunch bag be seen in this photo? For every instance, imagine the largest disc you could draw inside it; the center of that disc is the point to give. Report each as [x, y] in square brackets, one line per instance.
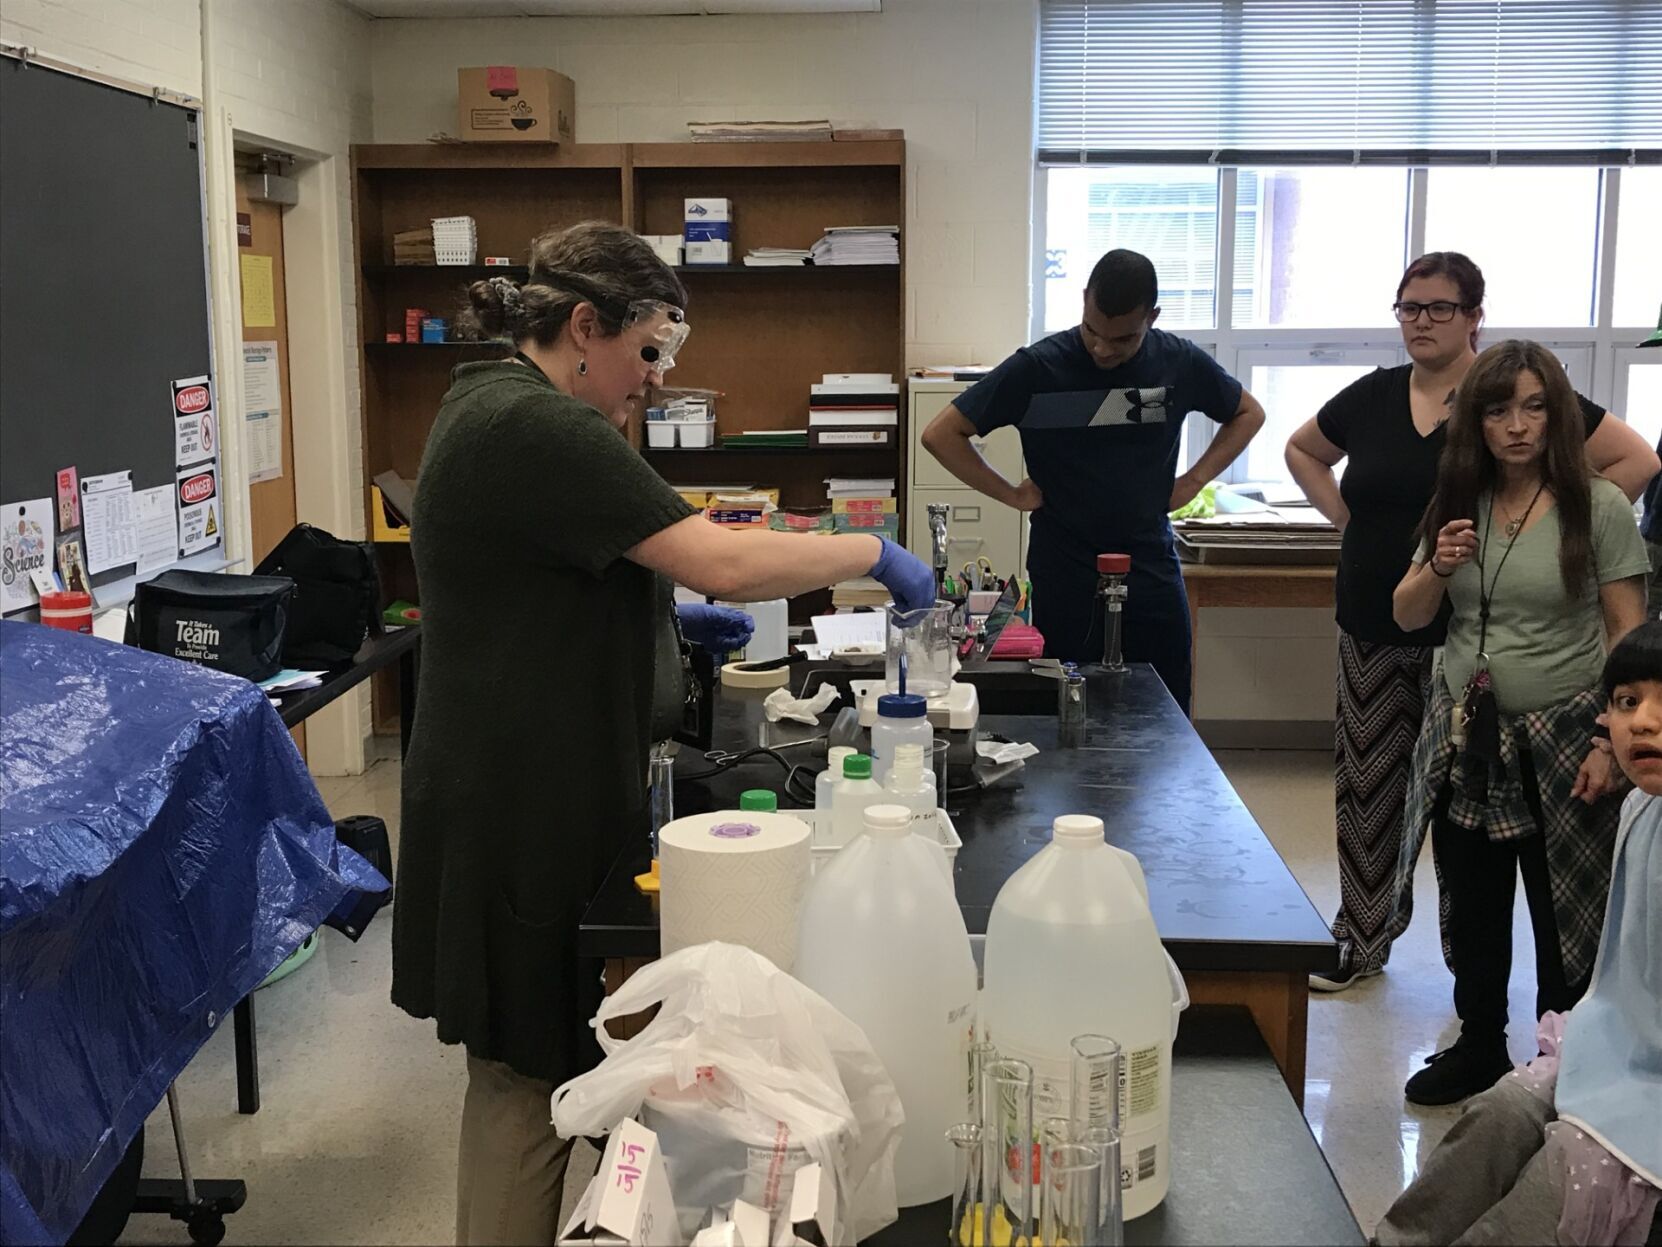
[233, 624]
[337, 596]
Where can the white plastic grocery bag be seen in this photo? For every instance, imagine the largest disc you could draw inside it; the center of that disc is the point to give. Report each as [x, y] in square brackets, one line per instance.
[745, 1075]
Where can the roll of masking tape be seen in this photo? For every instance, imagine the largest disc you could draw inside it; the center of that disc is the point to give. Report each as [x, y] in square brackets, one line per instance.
[733, 675]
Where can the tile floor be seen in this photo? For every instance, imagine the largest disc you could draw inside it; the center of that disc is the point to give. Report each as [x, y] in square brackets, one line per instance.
[355, 1142]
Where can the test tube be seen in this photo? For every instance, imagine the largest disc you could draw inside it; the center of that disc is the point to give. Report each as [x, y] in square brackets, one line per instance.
[982, 1055]
[1070, 1196]
[966, 1140]
[1070, 708]
[661, 791]
[1110, 1211]
[1007, 1173]
[1095, 1098]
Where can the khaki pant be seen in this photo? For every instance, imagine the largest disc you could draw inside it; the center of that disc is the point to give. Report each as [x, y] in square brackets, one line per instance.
[512, 1166]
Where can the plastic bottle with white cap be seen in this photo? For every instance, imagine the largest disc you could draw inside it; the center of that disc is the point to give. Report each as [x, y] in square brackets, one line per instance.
[902, 719]
[1072, 950]
[825, 785]
[881, 937]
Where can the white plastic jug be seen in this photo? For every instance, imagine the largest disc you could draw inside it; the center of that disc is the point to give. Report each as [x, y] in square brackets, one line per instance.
[883, 940]
[1072, 950]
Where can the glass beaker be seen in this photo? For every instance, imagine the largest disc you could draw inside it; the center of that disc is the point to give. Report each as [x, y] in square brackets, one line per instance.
[919, 656]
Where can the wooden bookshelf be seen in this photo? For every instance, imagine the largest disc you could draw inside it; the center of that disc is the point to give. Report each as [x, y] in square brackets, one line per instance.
[761, 335]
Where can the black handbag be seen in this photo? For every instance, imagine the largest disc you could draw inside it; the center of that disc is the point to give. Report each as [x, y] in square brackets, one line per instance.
[233, 624]
[337, 596]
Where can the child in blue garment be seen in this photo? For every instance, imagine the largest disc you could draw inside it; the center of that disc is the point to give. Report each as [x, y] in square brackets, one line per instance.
[1568, 1149]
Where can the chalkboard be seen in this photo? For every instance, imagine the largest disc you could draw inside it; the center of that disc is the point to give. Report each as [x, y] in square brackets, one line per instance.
[103, 279]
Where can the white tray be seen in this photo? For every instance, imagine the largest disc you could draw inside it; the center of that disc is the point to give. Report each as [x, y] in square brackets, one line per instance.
[947, 834]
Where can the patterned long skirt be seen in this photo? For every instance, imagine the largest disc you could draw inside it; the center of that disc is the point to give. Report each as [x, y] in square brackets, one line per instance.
[1382, 698]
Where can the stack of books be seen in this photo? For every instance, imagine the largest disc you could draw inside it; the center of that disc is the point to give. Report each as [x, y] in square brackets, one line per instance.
[776, 257]
[414, 246]
[455, 240]
[759, 131]
[863, 505]
[853, 594]
[858, 244]
[854, 409]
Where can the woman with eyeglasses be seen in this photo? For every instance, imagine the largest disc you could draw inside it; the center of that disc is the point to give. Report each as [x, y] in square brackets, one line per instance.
[1390, 427]
[1539, 569]
[547, 551]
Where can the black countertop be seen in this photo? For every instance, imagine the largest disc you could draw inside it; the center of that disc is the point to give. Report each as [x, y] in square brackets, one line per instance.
[1245, 1168]
[1222, 897]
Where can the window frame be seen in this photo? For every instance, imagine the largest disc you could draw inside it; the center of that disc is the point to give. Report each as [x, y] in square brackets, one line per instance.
[1595, 355]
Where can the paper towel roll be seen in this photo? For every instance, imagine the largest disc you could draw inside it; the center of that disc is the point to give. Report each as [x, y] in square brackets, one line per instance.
[734, 877]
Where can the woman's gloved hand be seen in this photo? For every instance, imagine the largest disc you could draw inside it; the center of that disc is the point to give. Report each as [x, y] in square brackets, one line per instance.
[719, 629]
[908, 578]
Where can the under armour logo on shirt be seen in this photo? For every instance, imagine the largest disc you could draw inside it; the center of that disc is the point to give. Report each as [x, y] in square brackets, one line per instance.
[1144, 406]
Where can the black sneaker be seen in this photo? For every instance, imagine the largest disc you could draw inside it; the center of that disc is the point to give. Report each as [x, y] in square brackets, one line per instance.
[1341, 978]
[1455, 1073]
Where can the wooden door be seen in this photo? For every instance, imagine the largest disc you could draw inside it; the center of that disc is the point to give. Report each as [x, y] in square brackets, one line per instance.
[268, 427]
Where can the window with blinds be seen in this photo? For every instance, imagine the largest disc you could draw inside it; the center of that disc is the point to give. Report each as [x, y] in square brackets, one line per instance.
[1389, 81]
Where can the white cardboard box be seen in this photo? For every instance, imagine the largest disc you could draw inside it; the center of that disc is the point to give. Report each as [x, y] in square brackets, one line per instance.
[709, 253]
[628, 1203]
[708, 210]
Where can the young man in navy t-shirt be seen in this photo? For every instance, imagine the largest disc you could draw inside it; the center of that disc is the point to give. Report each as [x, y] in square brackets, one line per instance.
[1100, 408]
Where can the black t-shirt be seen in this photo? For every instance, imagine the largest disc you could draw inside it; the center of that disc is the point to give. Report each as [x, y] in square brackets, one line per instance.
[1388, 483]
[1101, 444]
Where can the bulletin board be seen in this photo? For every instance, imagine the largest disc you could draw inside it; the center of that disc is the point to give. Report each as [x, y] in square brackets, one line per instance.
[103, 287]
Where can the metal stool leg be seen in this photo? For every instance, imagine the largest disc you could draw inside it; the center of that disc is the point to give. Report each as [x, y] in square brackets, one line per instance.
[202, 1206]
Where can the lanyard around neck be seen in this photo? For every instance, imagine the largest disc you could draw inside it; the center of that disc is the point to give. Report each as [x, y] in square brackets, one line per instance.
[1487, 595]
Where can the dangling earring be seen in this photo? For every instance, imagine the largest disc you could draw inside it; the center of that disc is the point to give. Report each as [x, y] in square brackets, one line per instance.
[582, 368]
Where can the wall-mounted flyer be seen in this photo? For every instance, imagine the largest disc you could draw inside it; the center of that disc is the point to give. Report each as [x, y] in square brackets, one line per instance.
[26, 534]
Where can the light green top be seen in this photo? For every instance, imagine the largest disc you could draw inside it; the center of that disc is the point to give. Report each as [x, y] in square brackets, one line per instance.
[1544, 646]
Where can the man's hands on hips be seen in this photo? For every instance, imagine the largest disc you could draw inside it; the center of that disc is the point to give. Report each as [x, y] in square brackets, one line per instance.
[1027, 496]
[1184, 490]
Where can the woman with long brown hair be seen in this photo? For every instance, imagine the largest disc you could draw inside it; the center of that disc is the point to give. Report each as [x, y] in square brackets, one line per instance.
[1543, 568]
[1389, 426]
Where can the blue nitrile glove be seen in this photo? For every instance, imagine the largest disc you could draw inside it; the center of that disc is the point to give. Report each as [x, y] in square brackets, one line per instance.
[906, 577]
[719, 629]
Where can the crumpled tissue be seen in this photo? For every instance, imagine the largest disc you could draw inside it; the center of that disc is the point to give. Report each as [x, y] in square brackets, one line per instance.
[779, 704]
[1004, 752]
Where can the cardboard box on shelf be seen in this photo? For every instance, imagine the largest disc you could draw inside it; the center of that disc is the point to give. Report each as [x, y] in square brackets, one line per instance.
[508, 104]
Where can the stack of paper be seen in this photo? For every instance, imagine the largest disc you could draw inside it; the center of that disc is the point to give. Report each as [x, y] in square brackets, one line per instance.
[290, 680]
[774, 438]
[776, 257]
[759, 131]
[858, 244]
[413, 246]
[455, 239]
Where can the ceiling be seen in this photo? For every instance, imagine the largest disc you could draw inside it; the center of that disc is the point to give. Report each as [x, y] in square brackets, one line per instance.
[603, 8]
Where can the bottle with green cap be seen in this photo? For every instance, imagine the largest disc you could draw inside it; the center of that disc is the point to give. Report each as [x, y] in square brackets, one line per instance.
[856, 790]
[760, 800]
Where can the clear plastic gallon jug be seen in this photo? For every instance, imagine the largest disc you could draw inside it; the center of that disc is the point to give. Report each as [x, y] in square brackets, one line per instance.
[881, 937]
[1072, 950]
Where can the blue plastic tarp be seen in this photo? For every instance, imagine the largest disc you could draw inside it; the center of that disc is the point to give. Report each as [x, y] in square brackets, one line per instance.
[162, 849]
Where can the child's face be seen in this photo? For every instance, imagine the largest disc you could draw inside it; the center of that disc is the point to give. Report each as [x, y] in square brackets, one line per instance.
[1636, 733]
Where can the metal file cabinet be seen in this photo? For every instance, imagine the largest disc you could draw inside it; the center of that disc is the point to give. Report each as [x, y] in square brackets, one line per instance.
[977, 527]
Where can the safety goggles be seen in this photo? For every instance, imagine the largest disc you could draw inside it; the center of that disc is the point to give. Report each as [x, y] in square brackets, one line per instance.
[666, 331]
